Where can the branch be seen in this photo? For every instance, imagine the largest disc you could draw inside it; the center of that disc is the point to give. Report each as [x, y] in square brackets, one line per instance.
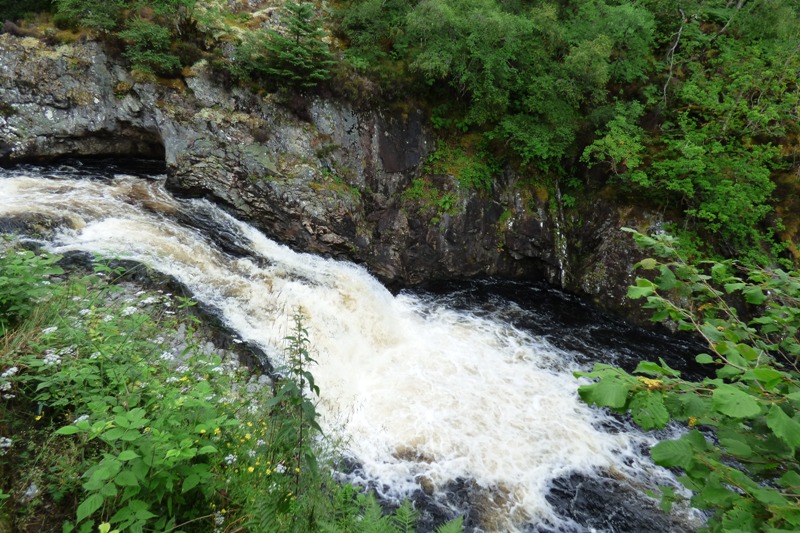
[671, 53]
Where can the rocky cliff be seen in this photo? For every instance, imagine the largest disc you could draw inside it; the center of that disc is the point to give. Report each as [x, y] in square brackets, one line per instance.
[315, 174]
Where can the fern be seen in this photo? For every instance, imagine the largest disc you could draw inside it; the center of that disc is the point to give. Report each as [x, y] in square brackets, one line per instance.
[405, 518]
[453, 526]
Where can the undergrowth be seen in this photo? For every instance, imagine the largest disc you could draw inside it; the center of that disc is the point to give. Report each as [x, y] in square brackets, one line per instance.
[112, 418]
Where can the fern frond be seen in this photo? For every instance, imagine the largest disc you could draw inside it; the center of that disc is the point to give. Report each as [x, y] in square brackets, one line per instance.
[405, 518]
[453, 526]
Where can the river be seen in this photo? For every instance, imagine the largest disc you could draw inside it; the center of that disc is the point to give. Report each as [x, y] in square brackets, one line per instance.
[461, 397]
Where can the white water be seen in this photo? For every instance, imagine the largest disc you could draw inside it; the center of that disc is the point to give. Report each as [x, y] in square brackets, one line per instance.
[418, 391]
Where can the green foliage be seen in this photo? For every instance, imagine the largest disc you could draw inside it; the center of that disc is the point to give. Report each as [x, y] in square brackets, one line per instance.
[690, 104]
[743, 465]
[103, 15]
[149, 36]
[149, 48]
[299, 57]
[119, 429]
[474, 169]
[24, 283]
[620, 144]
[430, 199]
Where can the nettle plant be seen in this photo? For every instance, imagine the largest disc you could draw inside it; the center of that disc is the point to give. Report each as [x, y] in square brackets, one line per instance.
[739, 453]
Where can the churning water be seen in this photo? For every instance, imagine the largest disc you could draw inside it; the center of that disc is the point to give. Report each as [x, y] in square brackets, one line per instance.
[465, 401]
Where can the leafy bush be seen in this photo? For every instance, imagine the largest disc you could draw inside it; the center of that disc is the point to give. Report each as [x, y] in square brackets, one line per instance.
[24, 282]
[149, 47]
[739, 454]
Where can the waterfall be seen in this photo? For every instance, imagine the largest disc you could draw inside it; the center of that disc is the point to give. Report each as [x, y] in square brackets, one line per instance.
[421, 393]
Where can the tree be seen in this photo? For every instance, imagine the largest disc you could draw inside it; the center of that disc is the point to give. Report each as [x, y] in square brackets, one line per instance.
[300, 57]
[739, 451]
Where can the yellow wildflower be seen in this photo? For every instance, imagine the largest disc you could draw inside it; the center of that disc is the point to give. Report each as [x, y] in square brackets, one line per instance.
[651, 384]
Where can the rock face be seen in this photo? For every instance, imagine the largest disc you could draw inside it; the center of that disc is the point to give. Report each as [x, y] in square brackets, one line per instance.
[317, 174]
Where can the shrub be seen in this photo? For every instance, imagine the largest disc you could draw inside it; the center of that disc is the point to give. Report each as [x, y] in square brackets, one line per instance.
[738, 454]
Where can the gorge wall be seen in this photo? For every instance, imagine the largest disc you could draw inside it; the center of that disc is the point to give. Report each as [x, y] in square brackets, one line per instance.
[315, 174]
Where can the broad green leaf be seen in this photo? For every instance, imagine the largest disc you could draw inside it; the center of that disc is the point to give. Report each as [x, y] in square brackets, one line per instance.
[112, 434]
[108, 490]
[606, 393]
[648, 410]
[704, 358]
[127, 455]
[734, 402]
[731, 287]
[736, 446]
[648, 263]
[785, 428]
[673, 453]
[666, 280]
[791, 480]
[89, 506]
[766, 375]
[68, 430]
[643, 288]
[126, 478]
[754, 295]
[190, 482]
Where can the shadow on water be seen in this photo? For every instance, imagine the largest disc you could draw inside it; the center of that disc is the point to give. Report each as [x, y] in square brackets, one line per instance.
[570, 323]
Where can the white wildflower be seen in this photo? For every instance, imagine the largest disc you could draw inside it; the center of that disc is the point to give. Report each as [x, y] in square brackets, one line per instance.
[81, 419]
[84, 312]
[260, 442]
[51, 358]
[5, 444]
[108, 318]
[171, 379]
[166, 356]
[182, 369]
[10, 372]
[128, 311]
[251, 454]
[230, 459]
[76, 298]
[279, 468]
[51, 329]
[5, 386]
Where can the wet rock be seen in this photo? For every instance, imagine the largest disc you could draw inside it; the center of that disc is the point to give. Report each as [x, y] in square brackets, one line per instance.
[606, 504]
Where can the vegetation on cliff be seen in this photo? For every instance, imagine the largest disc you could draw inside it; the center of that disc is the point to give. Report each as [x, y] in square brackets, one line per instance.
[690, 108]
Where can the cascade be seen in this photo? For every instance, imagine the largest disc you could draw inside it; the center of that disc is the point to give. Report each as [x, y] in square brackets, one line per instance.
[469, 404]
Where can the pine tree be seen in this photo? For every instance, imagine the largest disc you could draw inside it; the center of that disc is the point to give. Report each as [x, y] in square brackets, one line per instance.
[299, 57]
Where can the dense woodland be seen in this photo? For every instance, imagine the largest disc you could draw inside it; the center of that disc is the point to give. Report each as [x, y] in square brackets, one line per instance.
[688, 107]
